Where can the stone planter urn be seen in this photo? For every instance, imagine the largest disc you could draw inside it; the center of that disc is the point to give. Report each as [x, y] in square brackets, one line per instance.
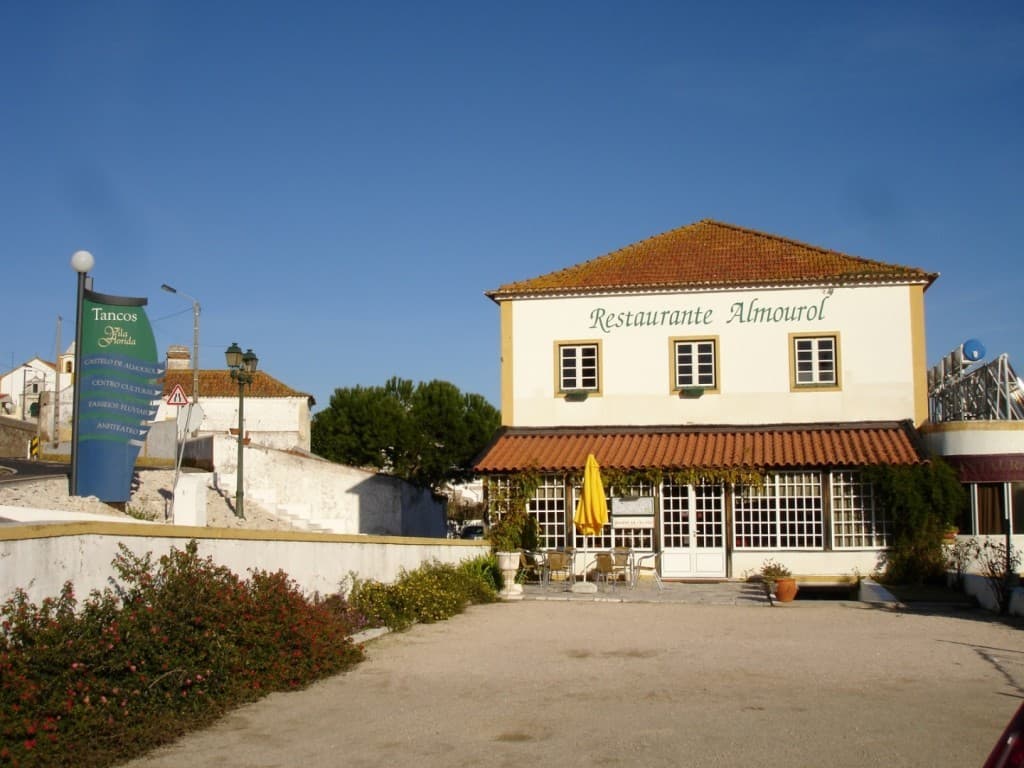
[508, 564]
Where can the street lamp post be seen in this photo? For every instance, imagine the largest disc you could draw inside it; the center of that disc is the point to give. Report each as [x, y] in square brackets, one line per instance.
[81, 262]
[195, 339]
[243, 370]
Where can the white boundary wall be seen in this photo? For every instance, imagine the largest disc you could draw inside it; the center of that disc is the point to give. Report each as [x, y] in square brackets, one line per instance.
[40, 558]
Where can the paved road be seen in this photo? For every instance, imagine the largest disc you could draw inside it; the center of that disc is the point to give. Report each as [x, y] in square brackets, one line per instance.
[584, 683]
[16, 470]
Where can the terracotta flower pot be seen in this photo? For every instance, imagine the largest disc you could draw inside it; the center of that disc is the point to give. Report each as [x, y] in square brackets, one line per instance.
[785, 590]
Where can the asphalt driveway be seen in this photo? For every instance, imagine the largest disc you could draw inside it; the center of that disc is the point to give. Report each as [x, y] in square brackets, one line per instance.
[559, 683]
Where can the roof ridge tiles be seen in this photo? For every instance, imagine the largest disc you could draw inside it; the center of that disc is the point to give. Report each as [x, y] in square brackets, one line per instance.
[711, 253]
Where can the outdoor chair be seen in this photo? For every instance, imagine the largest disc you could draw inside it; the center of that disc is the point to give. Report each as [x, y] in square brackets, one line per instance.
[622, 564]
[648, 563]
[604, 568]
[532, 564]
[558, 561]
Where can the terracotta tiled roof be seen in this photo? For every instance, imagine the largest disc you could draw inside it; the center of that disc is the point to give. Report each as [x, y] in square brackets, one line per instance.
[761, 447]
[214, 383]
[712, 254]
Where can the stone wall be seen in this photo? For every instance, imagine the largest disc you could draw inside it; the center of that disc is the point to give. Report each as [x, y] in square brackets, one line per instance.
[40, 558]
[330, 496]
[16, 437]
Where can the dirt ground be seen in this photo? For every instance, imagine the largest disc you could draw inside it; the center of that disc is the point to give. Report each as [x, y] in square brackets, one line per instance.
[150, 500]
[622, 684]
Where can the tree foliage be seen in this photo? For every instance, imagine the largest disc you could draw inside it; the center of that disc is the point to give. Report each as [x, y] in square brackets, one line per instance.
[427, 433]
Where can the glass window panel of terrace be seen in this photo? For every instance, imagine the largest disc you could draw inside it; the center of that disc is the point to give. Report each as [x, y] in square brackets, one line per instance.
[637, 539]
[602, 540]
[988, 503]
[579, 367]
[709, 502]
[675, 516]
[695, 364]
[753, 509]
[801, 523]
[785, 513]
[857, 521]
[497, 496]
[1017, 506]
[547, 507]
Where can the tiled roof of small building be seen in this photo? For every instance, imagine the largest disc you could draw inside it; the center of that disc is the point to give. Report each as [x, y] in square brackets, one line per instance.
[712, 254]
[218, 383]
[721, 447]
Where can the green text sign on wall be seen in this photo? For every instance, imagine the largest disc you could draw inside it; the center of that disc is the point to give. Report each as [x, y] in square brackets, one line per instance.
[742, 312]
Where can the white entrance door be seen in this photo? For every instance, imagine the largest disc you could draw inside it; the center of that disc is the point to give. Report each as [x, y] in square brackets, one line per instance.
[692, 531]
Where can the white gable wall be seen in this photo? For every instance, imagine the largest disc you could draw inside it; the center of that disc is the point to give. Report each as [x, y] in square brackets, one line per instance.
[26, 384]
[276, 422]
[874, 326]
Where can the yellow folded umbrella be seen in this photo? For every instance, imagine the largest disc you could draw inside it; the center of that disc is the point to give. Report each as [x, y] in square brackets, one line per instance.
[592, 510]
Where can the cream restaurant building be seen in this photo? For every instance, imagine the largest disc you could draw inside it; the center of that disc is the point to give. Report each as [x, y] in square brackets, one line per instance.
[732, 385]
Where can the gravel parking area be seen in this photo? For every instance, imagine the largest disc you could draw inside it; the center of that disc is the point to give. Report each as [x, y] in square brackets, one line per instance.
[657, 684]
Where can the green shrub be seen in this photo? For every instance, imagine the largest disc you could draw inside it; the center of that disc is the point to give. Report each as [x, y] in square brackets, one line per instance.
[483, 577]
[433, 592]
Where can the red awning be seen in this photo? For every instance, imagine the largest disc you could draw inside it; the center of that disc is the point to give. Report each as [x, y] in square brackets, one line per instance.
[762, 447]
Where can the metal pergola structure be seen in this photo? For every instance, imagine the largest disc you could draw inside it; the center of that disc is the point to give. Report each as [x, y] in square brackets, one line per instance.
[987, 392]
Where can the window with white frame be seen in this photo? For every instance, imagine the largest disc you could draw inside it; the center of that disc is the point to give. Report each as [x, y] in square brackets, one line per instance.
[695, 363]
[578, 367]
[857, 520]
[785, 512]
[815, 361]
[709, 515]
[548, 508]
[675, 515]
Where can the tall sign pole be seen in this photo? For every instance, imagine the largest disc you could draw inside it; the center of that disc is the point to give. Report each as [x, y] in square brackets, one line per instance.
[81, 262]
[55, 435]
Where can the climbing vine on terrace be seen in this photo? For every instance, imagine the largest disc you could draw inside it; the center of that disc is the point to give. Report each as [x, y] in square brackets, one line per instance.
[654, 477]
[921, 501]
[511, 493]
[514, 491]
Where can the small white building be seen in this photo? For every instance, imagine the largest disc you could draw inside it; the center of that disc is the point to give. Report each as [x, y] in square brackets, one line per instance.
[695, 360]
[22, 388]
[276, 416]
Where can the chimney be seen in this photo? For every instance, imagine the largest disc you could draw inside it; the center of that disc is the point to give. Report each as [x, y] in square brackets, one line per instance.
[178, 358]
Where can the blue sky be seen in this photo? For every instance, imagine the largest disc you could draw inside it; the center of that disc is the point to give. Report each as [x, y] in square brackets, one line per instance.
[338, 183]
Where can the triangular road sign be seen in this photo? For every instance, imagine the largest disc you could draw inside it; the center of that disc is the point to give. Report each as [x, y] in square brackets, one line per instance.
[177, 396]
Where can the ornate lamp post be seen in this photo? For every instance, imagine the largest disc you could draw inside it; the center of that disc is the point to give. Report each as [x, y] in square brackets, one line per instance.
[243, 370]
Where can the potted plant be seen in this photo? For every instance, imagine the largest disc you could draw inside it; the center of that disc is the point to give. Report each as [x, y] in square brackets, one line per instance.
[778, 579]
[513, 532]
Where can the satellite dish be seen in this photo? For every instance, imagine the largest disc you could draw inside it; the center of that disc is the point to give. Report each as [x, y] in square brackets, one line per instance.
[972, 350]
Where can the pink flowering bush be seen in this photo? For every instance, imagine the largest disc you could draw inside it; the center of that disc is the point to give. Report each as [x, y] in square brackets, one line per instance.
[176, 644]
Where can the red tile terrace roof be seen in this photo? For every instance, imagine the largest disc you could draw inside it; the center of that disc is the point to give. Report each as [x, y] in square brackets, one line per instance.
[726, 447]
[215, 383]
[712, 254]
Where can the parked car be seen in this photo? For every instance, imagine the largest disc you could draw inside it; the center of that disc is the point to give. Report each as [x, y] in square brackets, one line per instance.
[1009, 749]
[472, 532]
